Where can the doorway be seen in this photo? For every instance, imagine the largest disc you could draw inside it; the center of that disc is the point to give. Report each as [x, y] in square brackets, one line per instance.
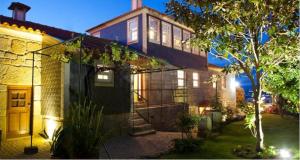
[18, 110]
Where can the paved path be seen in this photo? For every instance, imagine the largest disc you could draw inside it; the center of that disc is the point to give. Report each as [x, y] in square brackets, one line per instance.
[149, 146]
[14, 148]
[120, 147]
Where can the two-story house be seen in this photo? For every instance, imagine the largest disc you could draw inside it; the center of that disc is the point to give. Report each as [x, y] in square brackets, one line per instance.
[159, 96]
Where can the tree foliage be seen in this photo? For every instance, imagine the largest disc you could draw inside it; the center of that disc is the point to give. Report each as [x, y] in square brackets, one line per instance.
[253, 35]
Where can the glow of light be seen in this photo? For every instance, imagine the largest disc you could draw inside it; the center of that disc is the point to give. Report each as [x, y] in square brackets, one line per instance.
[284, 153]
[151, 34]
[234, 84]
[50, 127]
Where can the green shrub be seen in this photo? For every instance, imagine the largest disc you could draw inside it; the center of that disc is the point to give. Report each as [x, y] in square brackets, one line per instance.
[268, 153]
[82, 133]
[249, 152]
[186, 145]
[246, 151]
[186, 123]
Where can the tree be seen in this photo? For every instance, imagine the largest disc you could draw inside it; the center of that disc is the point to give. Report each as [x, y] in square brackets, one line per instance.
[235, 30]
[284, 84]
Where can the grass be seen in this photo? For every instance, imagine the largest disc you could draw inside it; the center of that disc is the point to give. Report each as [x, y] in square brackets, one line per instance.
[279, 132]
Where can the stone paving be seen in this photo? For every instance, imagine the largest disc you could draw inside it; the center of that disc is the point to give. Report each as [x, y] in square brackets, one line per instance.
[14, 148]
[149, 146]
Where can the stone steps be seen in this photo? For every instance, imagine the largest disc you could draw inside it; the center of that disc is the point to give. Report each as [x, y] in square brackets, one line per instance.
[139, 126]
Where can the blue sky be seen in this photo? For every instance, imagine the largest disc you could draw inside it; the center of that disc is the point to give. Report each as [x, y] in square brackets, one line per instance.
[79, 15]
[76, 15]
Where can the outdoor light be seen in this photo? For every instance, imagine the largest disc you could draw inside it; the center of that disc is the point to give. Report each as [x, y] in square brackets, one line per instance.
[50, 127]
[234, 84]
[284, 153]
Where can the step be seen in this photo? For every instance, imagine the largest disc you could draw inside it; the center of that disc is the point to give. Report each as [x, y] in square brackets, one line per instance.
[143, 133]
[134, 116]
[137, 121]
[142, 127]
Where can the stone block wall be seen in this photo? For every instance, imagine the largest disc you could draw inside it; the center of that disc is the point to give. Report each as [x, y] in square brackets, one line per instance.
[16, 69]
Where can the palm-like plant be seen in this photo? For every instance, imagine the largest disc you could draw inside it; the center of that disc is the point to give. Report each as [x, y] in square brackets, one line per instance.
[82, 133]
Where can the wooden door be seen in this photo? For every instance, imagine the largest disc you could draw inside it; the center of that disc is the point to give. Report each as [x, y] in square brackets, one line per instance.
[18, 110]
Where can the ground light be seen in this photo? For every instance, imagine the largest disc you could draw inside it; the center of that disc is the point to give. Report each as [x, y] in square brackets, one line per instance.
[284, 153]
[51, 125]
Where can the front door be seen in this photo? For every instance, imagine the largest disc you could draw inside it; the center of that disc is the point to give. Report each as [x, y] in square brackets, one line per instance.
[18, 110]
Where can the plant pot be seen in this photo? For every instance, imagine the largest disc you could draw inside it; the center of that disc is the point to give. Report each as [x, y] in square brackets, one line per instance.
[205, 126]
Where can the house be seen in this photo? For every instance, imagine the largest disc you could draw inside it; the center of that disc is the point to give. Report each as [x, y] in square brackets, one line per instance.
[139, 102]
[158, 96]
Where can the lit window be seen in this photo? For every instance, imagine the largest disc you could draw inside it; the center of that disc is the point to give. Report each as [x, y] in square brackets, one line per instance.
[214, 77]
[154, 31]
[104, 78]
[180, 78]
[195, 80]
[186, 39]
[132, 30]
[166, 34]
[177, 38]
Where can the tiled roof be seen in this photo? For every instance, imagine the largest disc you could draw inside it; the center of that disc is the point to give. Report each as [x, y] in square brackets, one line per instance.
[52, 31]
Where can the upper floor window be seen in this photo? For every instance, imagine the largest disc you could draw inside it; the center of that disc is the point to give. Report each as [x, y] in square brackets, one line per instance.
[177, 33]
[166, 34]
[215, 80]
[132, 30]
[195, 79]
[154, 31]
[180, 78]
[186, 41]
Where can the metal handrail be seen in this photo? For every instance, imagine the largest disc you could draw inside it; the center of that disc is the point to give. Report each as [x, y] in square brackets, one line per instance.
[147, 101]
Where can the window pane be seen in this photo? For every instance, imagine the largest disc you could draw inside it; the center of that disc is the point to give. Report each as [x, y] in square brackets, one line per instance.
[195, 84]
[180, 82]
[186, 39]
[177, 37]
[133, 30]
[154, 30]
[180, 74]
[195, 76]
[166, 34]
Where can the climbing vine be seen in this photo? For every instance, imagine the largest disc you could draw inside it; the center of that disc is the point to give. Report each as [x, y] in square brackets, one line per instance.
[113, 54]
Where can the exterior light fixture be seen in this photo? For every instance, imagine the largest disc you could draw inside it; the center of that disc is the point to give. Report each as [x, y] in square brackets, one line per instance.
[284, 153]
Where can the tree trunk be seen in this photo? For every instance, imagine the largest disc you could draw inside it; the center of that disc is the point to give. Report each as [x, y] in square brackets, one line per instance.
[258, 123]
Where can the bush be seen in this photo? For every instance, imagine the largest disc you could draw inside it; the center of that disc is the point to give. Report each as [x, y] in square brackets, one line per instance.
[268, 153]
[186, 145]
[249, 152]
[246, 151]
[82, 133]
[186, 123]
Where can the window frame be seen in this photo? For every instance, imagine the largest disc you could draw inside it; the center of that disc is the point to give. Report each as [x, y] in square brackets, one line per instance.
[196, 80]
[186, 42]
[157, 40]
[109, 82]
[181, 79]
[174, 39]
[169, 37]
[129, 32]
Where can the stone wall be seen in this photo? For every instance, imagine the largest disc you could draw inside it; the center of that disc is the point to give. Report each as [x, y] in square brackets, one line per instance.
[16, 69]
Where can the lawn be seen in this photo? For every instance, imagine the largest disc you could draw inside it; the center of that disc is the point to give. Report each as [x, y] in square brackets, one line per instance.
[279, 132]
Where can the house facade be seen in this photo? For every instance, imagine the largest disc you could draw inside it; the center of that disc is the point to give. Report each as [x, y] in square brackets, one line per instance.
[186, 78]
